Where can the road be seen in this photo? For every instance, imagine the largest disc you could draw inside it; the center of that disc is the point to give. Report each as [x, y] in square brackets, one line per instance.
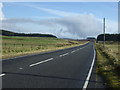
[67, 68]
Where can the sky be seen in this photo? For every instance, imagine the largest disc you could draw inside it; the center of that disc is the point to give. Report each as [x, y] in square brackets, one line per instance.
[76, 20]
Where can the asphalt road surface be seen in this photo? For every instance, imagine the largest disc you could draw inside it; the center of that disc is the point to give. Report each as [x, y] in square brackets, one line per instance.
[67, 68]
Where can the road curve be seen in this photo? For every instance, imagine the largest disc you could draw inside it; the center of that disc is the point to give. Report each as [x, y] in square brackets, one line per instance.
[67, 68]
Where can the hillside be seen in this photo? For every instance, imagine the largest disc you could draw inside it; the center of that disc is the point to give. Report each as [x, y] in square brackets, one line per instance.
[9, 33]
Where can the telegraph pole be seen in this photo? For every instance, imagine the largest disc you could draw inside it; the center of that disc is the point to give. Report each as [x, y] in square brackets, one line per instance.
[104, 32]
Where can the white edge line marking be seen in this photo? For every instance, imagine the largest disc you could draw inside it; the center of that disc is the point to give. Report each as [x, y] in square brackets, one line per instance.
[90, 71]
[64, 54]
[41, 62]
[2, 75]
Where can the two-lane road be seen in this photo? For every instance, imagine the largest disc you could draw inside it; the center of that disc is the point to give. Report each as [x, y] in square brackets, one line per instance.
[68, 68]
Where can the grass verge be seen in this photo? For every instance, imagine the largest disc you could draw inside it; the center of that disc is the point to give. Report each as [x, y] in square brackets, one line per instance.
[108, 67]
[17, 46]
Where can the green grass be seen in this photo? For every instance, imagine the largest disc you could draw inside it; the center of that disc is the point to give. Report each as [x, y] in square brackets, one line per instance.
[108, 65]
[15, 46]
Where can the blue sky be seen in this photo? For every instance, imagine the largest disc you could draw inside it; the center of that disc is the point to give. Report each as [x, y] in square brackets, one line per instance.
[99, 9]
[58, 17]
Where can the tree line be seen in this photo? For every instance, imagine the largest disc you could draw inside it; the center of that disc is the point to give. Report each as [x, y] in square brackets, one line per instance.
[9, 33]
[109, 37]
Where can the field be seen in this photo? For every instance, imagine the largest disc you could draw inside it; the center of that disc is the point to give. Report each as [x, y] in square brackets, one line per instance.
[112, 49]
[108, 63]
[16, 46]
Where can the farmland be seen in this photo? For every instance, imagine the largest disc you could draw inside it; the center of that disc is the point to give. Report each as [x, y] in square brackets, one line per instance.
[16, 46]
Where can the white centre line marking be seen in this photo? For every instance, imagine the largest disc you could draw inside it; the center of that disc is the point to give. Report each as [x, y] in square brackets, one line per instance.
[64, 54]
[83, 47]
[20, 68]
[90, 71]
[2, 75]
[41, 62]
[72, 51]
[77, 50]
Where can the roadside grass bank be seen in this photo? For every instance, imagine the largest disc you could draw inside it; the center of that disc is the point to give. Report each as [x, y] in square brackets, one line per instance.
[108, 64]
[17, 46]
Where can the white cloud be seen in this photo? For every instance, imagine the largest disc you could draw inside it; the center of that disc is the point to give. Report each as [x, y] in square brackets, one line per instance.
[55, 12]
[1, 12]
[111, 26]
[70, 25]
[88, 21]
[82, 25]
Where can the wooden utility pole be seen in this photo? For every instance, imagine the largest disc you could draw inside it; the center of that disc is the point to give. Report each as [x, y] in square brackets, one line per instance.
[104, 32]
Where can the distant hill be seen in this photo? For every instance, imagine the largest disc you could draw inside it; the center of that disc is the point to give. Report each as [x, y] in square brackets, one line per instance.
[109, 37]
[9, 33]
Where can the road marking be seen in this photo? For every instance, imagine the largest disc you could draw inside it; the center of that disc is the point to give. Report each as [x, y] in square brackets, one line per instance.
[77, 50]
[20, 68]
[90, 71]
[73, 51]
[64, 54]
[41, 62]
[83, 47]
[2, 75]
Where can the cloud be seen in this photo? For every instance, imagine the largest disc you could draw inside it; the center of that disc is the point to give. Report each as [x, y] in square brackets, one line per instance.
[1, 12]
[111, 26]
[86, 22]
[81, 25]
[55, 12]
[70, 25]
